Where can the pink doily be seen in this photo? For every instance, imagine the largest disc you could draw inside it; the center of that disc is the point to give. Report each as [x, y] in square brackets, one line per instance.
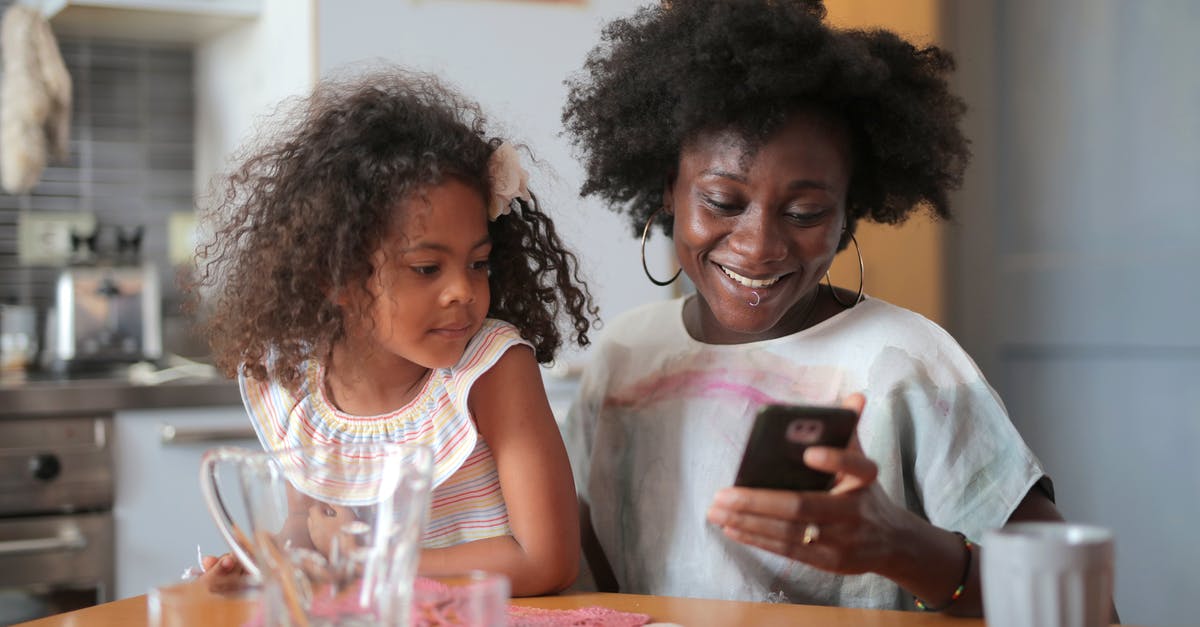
[444, 611]
[519, 616]
[445, 608]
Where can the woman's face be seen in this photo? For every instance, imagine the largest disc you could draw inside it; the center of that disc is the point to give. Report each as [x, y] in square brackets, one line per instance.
[766, 221]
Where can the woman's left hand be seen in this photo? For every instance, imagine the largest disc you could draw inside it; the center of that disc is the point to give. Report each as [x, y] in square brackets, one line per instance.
[853, 528]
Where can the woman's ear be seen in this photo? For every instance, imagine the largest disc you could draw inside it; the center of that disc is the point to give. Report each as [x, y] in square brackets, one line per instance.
[669, 194]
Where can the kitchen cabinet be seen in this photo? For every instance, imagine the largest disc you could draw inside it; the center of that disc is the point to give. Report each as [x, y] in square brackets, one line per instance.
[159, 513]
[185, 21]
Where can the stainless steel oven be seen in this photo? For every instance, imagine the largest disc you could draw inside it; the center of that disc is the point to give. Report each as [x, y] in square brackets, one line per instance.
[56, 525]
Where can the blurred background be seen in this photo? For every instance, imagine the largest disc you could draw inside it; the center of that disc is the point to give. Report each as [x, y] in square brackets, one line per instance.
[1069, 272]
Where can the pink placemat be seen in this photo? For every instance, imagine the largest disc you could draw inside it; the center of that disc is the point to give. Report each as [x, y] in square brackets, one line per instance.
[519, 616]
[445, 612]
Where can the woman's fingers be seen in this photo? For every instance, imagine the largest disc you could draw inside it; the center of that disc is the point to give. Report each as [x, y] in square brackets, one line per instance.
[822, 555]
[854, 470]
[780, 513]
[855, 402]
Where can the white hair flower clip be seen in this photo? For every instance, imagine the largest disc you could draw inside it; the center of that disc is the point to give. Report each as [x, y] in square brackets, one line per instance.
[509, 180]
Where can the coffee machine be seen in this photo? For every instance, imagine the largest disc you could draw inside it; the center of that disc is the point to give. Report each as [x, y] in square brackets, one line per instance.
[107, 305]
[107, 315]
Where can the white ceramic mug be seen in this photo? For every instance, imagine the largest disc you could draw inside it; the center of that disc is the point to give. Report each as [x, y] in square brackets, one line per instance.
[1047, 574]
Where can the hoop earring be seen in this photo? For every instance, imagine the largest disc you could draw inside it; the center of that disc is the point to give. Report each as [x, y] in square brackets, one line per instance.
[645, 267]
[861, 279]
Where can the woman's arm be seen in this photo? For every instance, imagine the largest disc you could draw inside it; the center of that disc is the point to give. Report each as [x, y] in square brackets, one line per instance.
[860, 530]
[513, 416]
[602, 572]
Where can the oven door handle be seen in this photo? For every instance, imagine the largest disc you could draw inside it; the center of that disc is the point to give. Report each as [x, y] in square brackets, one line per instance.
[67, 540]
[178, 436]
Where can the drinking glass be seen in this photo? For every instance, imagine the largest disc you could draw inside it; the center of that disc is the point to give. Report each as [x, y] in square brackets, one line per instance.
[474, 598]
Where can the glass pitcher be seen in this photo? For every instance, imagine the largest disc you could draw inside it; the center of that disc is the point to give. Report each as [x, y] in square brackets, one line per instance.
[332, 531]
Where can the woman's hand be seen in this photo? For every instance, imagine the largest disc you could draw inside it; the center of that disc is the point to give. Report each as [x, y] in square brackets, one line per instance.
[853, 528]
[848, 530]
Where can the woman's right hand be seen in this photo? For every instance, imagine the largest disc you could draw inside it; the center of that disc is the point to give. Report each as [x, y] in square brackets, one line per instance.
[223, 574]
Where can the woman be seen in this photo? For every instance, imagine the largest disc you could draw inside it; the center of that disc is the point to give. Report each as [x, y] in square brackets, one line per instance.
[758, 136]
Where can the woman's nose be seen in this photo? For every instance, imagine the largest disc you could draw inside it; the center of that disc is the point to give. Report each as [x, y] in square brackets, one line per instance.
[758, 238]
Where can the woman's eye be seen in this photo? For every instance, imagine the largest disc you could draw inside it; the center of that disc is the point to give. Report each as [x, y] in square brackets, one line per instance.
[483, 264]
[330, 512]
[720, 204]
[808, 216]
[425, 270]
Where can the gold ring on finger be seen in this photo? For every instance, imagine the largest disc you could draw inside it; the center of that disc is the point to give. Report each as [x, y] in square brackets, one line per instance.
[812, 533]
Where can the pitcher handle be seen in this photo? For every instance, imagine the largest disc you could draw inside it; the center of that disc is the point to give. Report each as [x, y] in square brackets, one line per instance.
[234, 536]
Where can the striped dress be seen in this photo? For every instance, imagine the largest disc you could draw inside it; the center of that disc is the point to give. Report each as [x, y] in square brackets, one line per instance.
[466, 502]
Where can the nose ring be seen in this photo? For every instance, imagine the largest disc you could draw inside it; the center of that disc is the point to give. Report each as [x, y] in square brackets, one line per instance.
[755, 299]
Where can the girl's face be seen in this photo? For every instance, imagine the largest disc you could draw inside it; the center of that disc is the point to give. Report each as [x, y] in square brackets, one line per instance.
[767, 221]
[324, 523]
[430, 280]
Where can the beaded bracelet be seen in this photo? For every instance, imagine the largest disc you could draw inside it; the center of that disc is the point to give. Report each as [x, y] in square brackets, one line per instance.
[962, 584]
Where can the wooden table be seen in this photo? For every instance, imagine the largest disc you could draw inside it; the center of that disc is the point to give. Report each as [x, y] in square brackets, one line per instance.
[220, 612]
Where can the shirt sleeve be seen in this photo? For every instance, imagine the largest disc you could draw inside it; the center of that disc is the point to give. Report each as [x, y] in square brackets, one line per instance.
[269, 407]
[490, 343]
[965, 461]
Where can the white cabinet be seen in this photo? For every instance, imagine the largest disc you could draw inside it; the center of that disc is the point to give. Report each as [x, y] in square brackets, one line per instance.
[159, 512]
[188, 21]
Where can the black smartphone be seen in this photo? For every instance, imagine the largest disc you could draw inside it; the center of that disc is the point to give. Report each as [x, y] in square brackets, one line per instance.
[774, 456]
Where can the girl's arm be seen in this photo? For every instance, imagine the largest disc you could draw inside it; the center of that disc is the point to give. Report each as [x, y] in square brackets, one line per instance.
[513, 416]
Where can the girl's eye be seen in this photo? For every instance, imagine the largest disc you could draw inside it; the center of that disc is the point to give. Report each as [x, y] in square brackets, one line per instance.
[330, 512]
[425, 270]
[483, 265]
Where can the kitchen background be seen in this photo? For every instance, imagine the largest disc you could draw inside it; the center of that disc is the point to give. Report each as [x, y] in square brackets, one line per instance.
[1068, 274]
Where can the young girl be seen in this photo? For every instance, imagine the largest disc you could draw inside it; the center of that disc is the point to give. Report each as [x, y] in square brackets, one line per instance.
[380, 272]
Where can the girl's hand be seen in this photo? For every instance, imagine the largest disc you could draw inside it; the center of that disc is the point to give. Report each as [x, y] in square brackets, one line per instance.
[853, 528]
[223, 574]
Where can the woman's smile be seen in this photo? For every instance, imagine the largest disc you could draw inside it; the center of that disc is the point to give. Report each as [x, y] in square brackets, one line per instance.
[742, 279]
[757, 225]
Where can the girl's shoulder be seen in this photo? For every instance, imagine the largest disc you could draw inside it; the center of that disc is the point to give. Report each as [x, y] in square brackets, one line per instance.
[490, 343]
[492, 340]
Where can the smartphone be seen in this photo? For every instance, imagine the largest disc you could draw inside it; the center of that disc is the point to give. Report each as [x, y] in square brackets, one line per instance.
[774, 456]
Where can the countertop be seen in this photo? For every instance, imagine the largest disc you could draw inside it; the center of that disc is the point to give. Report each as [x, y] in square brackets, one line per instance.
[41, 395]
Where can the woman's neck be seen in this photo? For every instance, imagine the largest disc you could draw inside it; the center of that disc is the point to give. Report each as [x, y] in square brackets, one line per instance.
[366, 382]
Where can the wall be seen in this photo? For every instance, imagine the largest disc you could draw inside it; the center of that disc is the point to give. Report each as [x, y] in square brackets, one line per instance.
[1073, 269]
[904, 264]
[513, 58]
[129, 161]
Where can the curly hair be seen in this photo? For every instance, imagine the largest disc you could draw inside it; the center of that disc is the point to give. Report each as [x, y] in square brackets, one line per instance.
[299, 219]
[670, 72]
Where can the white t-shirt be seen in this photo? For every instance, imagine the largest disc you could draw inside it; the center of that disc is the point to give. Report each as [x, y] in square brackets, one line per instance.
[662, 420]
